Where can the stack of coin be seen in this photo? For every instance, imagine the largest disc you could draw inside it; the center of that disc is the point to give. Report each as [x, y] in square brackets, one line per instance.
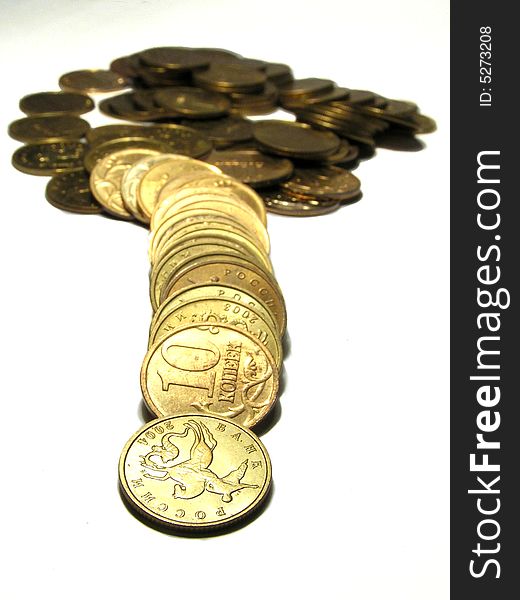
[215, 343]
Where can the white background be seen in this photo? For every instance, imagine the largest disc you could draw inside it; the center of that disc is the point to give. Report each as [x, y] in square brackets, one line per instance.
[360, 452]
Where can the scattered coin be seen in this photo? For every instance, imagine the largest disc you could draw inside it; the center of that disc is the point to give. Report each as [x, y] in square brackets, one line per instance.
[252, 167]
[71, 192]
[49, 159]
[59, 128]
[55, 103]
[90, 81]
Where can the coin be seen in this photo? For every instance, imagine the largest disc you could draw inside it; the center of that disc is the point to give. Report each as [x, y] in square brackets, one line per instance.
[323, 183]
[230, 77]
[49, 159]
[107, 174]
[214, 290]
[235, 273]
[178, 59]
[281, 202]
[295, 139]
[132, 179]
[278, 73]
[127, 66]
[224, 182]
[159, 174]
[193, 103]
[57, 128]
[71, 192]
[55, 103]
[98, 152]
[194, 472]
[216, 369]
[252, 167]
[225, 131]
[300, 88]
[214, 311]
[92, 81]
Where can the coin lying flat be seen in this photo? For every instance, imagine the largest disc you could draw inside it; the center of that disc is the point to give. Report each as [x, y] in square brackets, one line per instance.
[193, 103]
[56, 103]
[71, 192]
[225, 131]
[295, 139]
[98, 152]
[213, 369]
[194, 472]
[231, 77]
[323, 183]
[58, 128]
[92, 81]
[281, 202]
[252, 167]
[49, 159]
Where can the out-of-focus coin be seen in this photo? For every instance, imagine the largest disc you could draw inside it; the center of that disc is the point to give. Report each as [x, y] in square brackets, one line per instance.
[49, 159]
[424, 124]
[71, 192]
[230, 77]
[89, 81]
[110, 146]
[107, 174]
[223, 182]
[194, 472]
[159, 174]
[216, 369]
[178, 59]
[323, 183]
[279, 73]
[235, 273]
[295, 139]
[132, 179]
[214, 311]
[56, 103]
[281, 202]
[57, 128]
[182, 140]
[300, 88]
[127, 66]
[225, 131]
[193, 103]
[252, 167]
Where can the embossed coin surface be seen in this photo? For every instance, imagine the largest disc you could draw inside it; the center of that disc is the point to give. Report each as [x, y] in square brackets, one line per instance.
[323, 183]
[214, 369]
[49, 159]
[193, 471]
[252, 167]
[71, 192]
[56, 103]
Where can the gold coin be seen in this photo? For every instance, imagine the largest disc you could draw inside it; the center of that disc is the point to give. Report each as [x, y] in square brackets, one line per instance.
[110, 146]
[92, 81]
[49, 159]
[56, 103]
[236, 273]
[252, 167]
[281, 202]
[213, 369]
[168, 266]
[107, 174]
[225, 205]
[323, 183]
[160, 174]
[218, 228]
[220, 292]
[57, 128]
[216, 311]
[185, 218]
[194, 472]
[220, 182]
[194, 103]
[132, 179]
[71, 192]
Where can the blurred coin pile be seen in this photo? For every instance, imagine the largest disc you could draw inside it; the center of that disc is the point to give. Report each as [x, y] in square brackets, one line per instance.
[195, 102]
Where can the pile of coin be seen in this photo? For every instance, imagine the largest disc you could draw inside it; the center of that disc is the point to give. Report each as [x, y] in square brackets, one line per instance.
[201, 175]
